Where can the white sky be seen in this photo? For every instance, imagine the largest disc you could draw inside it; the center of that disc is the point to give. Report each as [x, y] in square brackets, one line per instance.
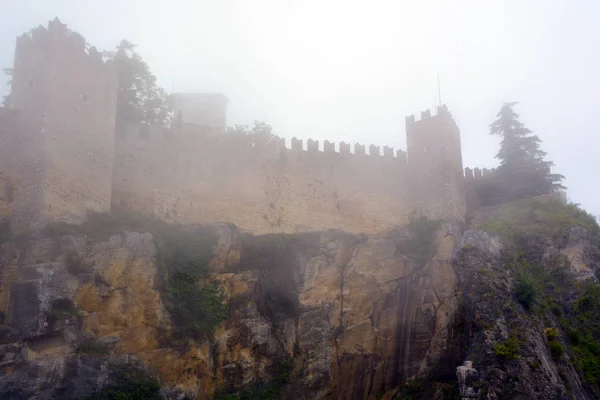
[351, 70]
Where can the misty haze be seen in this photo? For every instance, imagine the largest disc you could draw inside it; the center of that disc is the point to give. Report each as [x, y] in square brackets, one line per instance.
[299, 200]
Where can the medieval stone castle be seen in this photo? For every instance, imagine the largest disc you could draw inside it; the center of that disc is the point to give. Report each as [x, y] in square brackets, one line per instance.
[62, 154]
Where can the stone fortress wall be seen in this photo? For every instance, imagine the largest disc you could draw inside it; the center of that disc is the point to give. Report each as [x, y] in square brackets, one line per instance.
[472, 177]
[261, 187]
[59, 141]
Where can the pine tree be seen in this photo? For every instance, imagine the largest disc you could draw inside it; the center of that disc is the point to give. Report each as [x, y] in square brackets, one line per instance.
[523, 172]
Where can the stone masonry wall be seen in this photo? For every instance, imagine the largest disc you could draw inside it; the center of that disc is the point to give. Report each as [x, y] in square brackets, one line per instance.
[8, 186]
[21, 158]
[66, 97]
[435, 161]
[261, 187]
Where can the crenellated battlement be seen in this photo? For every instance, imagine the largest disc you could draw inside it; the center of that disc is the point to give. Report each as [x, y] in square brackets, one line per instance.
[472, 178]
[196, 137]
[56, 38]
[442, 114]
[477, 173]
[312, 146]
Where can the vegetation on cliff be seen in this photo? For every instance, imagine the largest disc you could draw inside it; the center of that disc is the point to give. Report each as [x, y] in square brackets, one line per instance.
[196, 304]
[130, 384]
[418, 239]
[265, 390]
[561, 305]
[530, 218]
[582, 325]
[183, 258]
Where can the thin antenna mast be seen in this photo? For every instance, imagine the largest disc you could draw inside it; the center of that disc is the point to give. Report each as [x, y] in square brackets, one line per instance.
[439, 91]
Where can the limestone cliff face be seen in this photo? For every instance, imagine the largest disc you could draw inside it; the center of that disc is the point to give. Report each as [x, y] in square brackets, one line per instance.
[352, 317]
[355, 316]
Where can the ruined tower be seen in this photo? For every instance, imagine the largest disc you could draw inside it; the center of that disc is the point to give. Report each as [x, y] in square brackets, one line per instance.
[207, 111]
[65, 96]
[435, 163]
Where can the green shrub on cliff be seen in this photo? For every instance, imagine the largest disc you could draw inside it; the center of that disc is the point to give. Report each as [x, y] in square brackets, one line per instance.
[267, 390]
[525, 291]
[508, 350]
[130, 384]
[556, 349]
[583, 328]
[420, 241]
[183, 259]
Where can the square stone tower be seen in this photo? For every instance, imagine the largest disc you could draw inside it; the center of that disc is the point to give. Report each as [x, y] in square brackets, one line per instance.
[65, 96]
[207, 111]
[435, 164]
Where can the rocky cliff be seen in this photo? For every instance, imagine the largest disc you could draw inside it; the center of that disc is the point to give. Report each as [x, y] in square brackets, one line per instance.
[462, 312]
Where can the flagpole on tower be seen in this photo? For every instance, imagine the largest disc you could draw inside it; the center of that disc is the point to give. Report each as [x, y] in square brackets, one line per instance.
[439, 91]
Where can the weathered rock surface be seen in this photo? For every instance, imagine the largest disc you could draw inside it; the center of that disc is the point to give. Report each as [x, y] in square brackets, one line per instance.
[468, 381]
[492, 316]
[66, 377]
[359, 317]
[356, 318]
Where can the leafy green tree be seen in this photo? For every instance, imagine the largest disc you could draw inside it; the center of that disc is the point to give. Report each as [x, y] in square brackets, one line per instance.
[140, 100]
[260, 132]
[523, 172]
